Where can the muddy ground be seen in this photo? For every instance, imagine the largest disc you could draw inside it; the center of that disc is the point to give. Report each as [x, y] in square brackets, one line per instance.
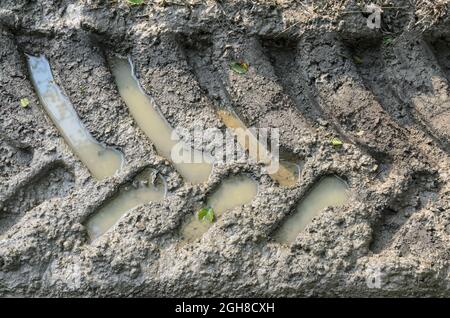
[384, 92]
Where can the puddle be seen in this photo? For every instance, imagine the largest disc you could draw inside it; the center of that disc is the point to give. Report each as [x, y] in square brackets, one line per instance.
[145, 112]
[291, 162]
[142, 190]
[101, 161]
[233, 192]
[286, 175]
[329, 191]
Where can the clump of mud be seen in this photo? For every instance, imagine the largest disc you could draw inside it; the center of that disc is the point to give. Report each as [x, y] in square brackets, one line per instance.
[369, 105]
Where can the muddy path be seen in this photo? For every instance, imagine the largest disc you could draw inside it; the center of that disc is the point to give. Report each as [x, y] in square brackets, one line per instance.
[383, 94]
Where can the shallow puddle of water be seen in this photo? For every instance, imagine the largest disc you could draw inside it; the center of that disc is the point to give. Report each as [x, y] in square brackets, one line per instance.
[233, 192]
[145, 188]
[329, 191]
[286, 175]
[145, 112]
[101, 161]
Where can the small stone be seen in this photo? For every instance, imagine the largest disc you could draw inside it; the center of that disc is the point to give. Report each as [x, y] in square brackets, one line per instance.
[140, 226]
[144, 183]
[67, 245]
[322, 122]
[134, 272]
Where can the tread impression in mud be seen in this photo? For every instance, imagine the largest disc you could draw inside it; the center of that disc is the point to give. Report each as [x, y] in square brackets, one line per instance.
[223, 149]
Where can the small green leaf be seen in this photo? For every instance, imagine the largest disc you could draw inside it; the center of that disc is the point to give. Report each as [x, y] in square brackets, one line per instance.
[388, 40]
[239, 67]
[202, 213]
[358, 60]
[135, 2]
[206, 214]
[24, 102]
[336, 142]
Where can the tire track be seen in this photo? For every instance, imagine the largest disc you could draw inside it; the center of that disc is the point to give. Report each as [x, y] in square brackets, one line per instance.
[420, 82]
[373, 66]
[332, 76]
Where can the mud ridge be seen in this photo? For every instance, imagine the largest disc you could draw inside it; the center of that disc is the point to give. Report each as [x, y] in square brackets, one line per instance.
[423, 190]
[51, 181]
[371, 60]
